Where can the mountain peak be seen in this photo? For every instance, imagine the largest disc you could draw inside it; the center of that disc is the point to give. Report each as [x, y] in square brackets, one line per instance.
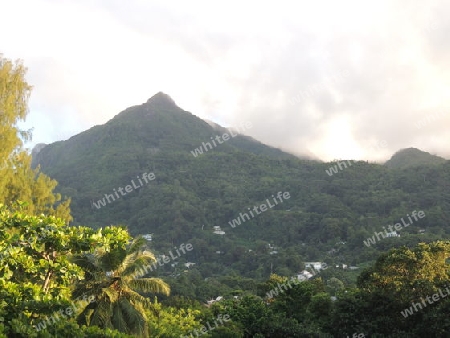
[413, 157]
[161, 98]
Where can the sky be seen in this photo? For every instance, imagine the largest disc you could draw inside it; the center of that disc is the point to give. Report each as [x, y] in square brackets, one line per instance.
[338, 79]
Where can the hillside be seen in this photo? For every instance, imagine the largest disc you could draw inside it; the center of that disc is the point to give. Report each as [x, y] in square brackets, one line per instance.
[412, 157]
[326, 217]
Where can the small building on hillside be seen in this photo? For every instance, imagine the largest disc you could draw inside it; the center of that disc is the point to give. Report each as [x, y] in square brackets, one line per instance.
[148, 237]
[218, 231]
[304, 275]
[392, 234]
[316, 265]
[212, 301]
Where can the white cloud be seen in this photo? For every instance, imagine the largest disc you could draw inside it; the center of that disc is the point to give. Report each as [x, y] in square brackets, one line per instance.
[239, 61]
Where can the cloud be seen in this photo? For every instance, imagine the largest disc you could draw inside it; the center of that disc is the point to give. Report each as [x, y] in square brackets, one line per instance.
[327, 77]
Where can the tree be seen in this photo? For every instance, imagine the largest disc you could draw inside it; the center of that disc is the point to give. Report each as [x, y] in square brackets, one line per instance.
[408, 274]
[18, 181]
[36, 273]
[335, 285]
[14, 94]
[172, 322]
[110, 276]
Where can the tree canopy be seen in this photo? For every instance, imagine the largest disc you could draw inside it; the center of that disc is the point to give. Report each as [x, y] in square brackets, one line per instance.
[18, 181]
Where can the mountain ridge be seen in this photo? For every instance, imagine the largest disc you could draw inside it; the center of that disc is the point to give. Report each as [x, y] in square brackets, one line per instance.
[190, 196]
[413, 157]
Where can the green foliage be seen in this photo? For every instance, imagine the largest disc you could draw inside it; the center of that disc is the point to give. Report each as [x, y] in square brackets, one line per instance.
[18, 181]
[165, 322]
[412, 157]
[112, 278]
[47, 265]
[37, 272]
[408, 274]
[326, 219]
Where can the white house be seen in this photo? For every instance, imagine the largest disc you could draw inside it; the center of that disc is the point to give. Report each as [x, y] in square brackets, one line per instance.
[343, 266]
[214, 300]
[304, 275]
[148, 237]
[218, 231]
[316, 265]
[392, 234]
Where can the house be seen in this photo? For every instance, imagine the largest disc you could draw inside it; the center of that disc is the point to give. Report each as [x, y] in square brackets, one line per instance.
[392, 234]
[274, 252]
[210, 302]
[343, 266]
[218, 231]
[316, 265]
[189, 264]
[304, 275]
[148, 237]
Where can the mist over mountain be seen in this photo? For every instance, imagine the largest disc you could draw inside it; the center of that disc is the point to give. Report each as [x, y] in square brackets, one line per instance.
[106, 171]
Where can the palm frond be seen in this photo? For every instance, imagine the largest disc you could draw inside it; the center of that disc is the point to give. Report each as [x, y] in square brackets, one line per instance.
[91, 288]
[112, 294]
[118, 302]
[118, 319]
[140, 302]
[127, 262]
[153, 285]
[143, 261]
[89, 263]
[84, 317]
[101, 316]
[135, 319]
[137, 244]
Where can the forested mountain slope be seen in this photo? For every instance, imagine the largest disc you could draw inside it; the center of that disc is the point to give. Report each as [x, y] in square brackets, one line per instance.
[326, 217]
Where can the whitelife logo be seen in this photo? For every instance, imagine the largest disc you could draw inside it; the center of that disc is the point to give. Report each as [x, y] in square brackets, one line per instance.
[221, 319]
[397, 226]
[225, 137]
[335, 169]
[279, 288]
[128, 188]
[262, 207]
[65, 313]
[437, 296]
[165, 259]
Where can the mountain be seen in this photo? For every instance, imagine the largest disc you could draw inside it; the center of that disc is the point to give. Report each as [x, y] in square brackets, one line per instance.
[412, 157]
[37, 148]
[157, 136]
[156, 126]
[141, 169]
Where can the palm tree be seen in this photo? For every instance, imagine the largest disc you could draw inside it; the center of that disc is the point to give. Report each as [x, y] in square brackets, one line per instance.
[110, 278]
